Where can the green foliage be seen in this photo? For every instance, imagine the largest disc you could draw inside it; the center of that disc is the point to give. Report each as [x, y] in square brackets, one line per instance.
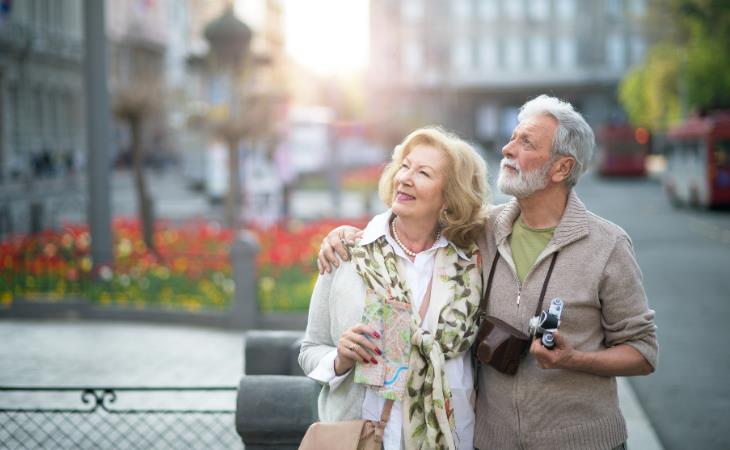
[650, 93]
[708, 74]
[690, 64]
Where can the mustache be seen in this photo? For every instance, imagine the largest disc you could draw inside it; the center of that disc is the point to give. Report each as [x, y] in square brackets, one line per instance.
[511, 163]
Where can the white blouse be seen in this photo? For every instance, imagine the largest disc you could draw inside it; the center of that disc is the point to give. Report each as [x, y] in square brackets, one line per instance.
[458, 370]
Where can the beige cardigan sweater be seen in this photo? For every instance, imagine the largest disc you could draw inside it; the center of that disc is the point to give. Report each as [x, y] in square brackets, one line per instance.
[597, 276]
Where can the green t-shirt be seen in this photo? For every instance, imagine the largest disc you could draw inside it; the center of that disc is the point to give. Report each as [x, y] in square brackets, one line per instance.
[526, 244]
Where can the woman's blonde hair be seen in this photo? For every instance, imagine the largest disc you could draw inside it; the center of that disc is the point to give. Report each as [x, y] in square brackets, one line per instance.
[466, 192]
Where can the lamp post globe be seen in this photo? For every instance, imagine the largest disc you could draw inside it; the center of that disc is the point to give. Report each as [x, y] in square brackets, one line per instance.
[229, 38]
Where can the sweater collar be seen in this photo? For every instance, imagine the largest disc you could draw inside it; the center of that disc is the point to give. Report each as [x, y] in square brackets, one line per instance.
[573, 225]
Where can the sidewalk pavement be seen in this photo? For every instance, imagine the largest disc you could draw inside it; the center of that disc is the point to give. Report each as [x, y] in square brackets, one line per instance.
[641, 433]
[93, 353]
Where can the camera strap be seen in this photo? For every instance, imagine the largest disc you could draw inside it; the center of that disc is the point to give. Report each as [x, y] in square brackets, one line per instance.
[483, 309]
[485, 299]
[545, 284]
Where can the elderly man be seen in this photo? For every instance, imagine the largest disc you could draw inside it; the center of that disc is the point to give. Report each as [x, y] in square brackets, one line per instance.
[546, 240]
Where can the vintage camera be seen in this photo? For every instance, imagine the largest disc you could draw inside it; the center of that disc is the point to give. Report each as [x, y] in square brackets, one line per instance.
[502, 346]
[547, 323]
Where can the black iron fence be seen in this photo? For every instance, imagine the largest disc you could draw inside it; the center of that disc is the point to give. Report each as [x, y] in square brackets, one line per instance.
[118, 418]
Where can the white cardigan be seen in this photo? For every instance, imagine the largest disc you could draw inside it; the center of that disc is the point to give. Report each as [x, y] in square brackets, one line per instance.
[337, 304]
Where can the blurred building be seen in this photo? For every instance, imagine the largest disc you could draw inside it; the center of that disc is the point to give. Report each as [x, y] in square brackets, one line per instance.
[470, 64]
[156, 43]
[42, 138]
[41, 127]
[140, 34]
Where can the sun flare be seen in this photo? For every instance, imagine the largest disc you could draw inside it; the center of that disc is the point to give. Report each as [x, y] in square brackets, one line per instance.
[328, 36]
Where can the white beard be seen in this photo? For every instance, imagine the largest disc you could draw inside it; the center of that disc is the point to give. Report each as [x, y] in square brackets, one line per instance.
[523, 183]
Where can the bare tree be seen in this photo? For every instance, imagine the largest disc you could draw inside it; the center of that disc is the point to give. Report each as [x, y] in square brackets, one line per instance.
[253, 125]
[134, 105]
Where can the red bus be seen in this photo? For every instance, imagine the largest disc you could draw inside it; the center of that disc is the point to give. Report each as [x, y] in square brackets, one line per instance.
[622, 150]
[698, 161]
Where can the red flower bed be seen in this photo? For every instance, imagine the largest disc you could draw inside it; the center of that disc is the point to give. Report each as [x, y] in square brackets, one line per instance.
[191, 271]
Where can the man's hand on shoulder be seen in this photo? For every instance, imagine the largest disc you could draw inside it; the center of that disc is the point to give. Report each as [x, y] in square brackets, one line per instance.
[333, 247]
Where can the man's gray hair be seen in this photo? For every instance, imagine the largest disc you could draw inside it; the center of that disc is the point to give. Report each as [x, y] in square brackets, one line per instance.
[573, 137]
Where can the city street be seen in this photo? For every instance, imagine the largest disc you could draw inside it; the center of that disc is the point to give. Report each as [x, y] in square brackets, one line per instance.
[685, 258]
[684, 255]
[140, 140]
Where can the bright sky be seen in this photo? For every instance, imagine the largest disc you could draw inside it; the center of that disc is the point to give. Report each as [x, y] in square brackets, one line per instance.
[328, 36]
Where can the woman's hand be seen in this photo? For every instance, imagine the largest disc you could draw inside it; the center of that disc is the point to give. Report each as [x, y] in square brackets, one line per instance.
[355, 346]
[333, 245]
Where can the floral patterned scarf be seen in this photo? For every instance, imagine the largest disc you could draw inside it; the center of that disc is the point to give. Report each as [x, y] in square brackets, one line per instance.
[412, 365]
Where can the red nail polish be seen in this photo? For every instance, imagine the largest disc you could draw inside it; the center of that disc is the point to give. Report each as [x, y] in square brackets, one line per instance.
[373, 360]
[376, 334]
[377, 350]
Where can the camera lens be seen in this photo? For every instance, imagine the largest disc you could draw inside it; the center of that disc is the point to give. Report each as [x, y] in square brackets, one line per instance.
[548, 340]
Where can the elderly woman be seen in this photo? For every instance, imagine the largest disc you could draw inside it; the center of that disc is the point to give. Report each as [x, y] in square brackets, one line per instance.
[390, 328]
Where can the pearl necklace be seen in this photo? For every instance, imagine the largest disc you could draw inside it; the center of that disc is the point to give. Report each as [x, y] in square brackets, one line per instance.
[407, 250]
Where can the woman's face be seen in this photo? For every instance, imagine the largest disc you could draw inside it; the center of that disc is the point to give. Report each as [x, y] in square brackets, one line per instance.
[419, 184]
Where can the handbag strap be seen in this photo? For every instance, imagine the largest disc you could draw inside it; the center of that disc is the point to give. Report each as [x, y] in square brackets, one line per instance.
[426, 301]
[385, 415]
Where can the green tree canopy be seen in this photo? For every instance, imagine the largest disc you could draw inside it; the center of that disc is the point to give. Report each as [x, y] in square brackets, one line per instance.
[688, 68]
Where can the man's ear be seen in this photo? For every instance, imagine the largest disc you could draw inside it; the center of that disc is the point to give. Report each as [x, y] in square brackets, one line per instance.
[562, 168]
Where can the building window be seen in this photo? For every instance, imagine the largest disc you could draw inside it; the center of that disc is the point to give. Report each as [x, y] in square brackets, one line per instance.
[461, 9]
[513, 9]
[539, 52]
[412, 56]
[53, 116]
[45, 9]
[487, 121]
[566, 52]
[513, 53]
[48, 111]
[565, 9]
[487, 10]
[614, 9]
[637, 8]
[412, 10]
[488, 53]
[13, 113]
[508, 120]
[38, 111]
[539, 10]
[461, 54]
[615, 51]
[638, 49]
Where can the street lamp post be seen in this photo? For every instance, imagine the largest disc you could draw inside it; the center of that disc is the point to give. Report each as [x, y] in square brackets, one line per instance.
[230, 41]
[97, 127]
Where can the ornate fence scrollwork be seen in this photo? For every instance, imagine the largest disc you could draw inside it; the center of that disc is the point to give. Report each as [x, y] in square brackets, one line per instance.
[102, 423]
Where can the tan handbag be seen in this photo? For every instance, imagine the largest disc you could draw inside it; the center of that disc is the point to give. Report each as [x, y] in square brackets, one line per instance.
[354, 434]
[347, 435]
